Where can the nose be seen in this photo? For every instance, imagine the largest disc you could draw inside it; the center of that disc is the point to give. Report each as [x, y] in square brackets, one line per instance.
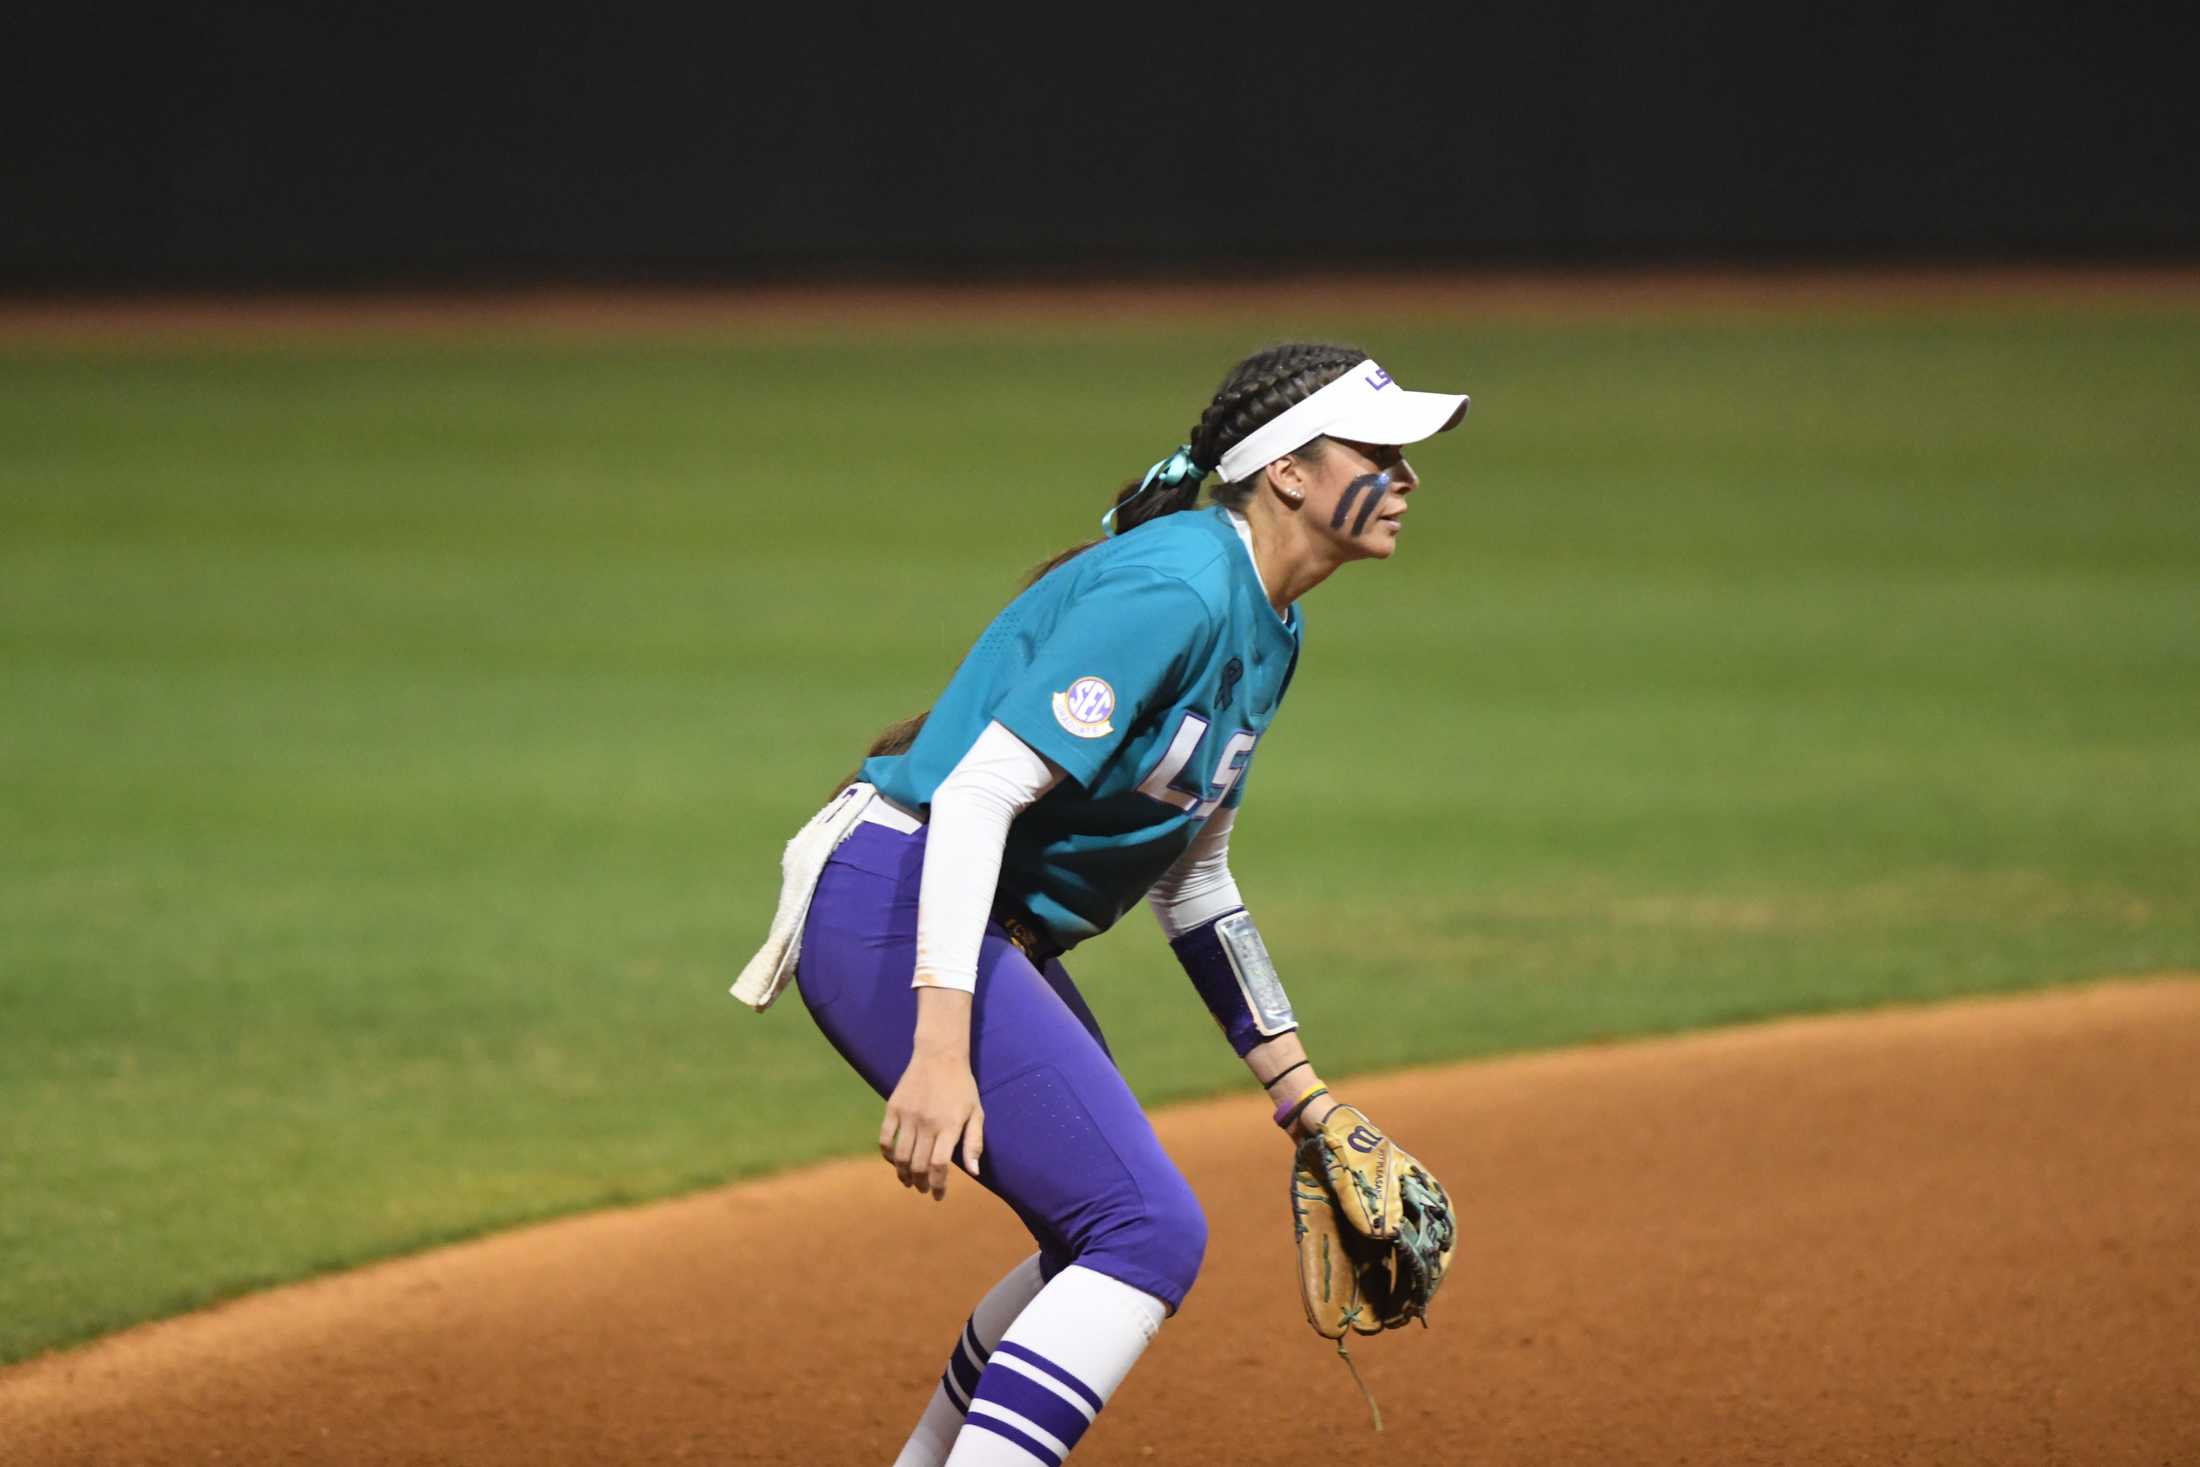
[1403, 479]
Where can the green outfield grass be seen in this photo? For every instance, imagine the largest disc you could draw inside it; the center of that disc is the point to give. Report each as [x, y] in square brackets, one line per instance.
[398, 740]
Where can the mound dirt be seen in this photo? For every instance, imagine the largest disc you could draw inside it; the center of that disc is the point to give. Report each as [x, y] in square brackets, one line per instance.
[1967, 1233]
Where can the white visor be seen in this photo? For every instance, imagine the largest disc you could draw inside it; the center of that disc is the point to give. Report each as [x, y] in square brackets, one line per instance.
[1363, 405]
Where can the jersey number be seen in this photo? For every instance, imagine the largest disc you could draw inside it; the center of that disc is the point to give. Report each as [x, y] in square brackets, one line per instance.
[1162, 783]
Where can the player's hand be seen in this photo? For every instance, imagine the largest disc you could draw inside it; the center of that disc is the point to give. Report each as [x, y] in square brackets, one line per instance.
[935, 1103]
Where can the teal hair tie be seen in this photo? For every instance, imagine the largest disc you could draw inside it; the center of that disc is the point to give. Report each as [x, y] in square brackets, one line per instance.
[1171, 473]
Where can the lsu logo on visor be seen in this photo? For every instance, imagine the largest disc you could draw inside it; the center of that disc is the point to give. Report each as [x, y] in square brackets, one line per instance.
[1084, 708]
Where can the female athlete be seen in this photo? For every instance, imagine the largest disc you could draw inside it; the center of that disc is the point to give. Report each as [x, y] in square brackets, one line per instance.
[1091, 750]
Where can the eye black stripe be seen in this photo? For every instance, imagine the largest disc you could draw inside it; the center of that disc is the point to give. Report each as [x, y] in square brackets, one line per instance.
[1344, 504]
[1351, 493]
[1375, 494]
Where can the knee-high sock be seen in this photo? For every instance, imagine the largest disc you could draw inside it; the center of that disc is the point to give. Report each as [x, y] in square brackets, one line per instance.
[1054, 1370]
[934, 1437]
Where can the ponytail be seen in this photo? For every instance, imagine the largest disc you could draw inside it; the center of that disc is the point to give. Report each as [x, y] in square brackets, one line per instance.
[1257, 389]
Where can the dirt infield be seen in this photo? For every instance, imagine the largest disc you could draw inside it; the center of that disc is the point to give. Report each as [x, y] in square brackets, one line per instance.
[269, 318]
[1962, 1234]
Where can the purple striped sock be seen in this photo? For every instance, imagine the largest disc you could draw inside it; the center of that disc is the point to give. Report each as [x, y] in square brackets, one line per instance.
[1033, 1400]
[965, 1366]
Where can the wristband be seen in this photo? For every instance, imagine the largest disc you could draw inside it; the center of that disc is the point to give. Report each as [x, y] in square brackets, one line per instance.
[1271, 1082]
[1288, 1115]
[1229, 965]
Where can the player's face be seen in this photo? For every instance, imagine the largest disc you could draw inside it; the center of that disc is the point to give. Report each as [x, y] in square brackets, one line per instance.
[1358, 497]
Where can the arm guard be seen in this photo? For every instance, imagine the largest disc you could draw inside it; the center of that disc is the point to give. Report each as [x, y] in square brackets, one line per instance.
[1229, 965]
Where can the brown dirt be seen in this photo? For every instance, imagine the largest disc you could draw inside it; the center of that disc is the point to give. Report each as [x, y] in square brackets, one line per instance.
[1278, 301]
[1969, 1233]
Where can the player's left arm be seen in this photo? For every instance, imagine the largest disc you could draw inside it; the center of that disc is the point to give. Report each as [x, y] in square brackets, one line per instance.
[1357, 1199]
[1204, 916]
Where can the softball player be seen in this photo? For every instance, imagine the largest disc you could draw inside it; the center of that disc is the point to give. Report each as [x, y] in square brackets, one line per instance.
[1091, 751]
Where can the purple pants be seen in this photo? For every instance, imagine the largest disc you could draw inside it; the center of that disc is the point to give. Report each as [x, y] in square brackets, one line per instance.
[1066, 1145]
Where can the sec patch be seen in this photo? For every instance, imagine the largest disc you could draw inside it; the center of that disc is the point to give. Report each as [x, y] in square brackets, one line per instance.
[1084, 708]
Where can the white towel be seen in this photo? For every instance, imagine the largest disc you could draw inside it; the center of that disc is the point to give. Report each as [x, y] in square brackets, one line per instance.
[766, 975]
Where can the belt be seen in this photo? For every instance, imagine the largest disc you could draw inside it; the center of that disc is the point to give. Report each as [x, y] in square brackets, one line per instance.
[1024, 930]
[882, 811]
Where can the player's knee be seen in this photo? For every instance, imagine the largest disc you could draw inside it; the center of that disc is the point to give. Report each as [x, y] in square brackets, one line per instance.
[1167, 1241]
[1184, 1223]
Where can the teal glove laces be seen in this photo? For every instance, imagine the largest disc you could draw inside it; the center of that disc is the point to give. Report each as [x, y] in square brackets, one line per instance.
[1172, 472]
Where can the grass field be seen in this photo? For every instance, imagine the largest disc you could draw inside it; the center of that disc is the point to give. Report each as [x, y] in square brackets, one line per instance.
[398, 738]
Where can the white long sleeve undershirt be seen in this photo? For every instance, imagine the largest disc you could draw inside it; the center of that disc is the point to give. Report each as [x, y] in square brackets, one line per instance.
[999, 779]
[1199, 887]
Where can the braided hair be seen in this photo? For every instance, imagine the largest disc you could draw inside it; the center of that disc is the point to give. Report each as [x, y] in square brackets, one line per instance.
[1255, 392]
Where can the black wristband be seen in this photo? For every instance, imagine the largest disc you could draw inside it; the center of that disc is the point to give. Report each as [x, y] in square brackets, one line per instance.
[1269, 1083]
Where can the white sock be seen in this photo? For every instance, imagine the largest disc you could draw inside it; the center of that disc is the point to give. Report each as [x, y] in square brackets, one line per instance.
[934, 1437]
[1054, 1370]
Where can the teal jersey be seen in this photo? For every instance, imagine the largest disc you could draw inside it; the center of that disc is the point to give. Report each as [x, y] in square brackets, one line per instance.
[1147, 668]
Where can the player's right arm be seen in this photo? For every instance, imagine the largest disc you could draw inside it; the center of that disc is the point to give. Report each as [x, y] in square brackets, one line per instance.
[934, 1106]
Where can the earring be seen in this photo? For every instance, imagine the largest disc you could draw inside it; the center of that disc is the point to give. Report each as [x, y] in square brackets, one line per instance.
[1294, 497]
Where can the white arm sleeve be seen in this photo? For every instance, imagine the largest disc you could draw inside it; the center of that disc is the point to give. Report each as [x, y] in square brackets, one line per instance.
[999, 779]
[1199, 887]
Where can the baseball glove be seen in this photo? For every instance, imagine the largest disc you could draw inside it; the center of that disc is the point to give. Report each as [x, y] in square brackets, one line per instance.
[1374, 1227]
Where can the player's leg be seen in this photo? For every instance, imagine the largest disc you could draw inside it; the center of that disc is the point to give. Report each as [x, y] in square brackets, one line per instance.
[1066, 1143]
[934, 1437]
[1056, 1368]
[1066, 1146]
[854, 977]
[1076, 1156]
[1069, 1149]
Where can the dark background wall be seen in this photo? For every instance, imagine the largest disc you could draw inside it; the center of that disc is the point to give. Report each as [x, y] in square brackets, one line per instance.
[317, 145]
